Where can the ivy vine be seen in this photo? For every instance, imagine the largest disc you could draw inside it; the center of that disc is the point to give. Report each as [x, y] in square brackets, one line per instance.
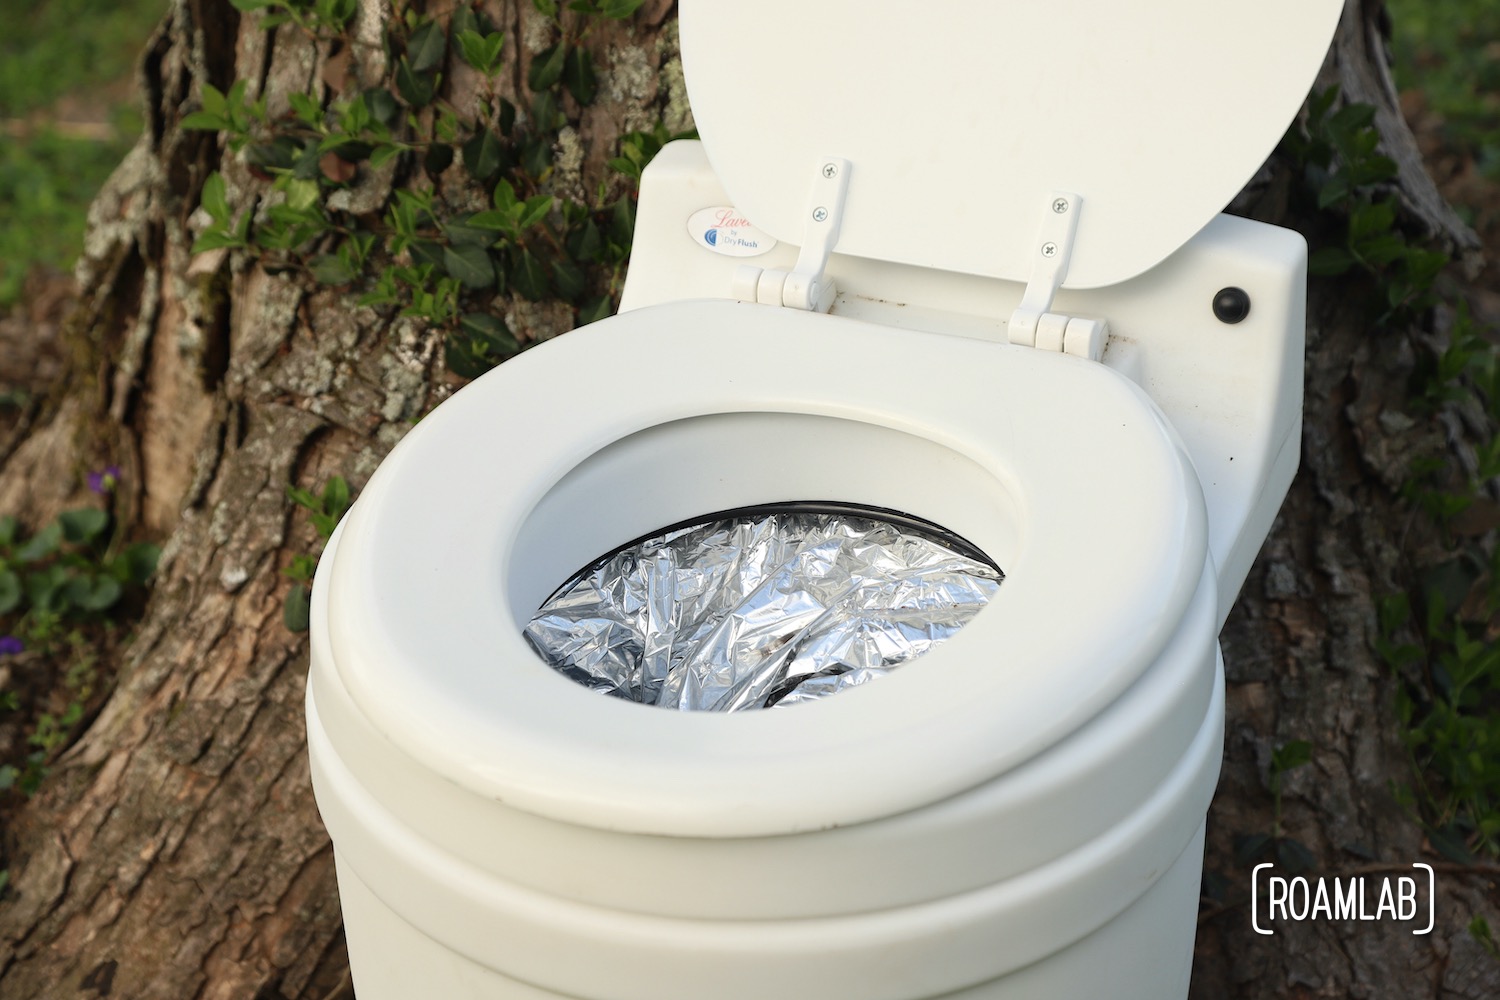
[429, 255]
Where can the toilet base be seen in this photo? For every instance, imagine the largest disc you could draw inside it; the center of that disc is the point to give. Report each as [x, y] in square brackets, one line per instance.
[1144, 953]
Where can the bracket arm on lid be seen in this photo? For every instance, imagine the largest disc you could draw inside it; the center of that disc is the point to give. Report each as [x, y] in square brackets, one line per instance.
[1033, 324]
[805, 286]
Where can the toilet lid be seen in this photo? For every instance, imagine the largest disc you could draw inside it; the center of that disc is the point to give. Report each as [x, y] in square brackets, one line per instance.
[961, 121]
[1092, 510]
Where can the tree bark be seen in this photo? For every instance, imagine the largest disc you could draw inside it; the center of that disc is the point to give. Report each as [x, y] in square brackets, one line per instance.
[1299, 646]
[176, 851]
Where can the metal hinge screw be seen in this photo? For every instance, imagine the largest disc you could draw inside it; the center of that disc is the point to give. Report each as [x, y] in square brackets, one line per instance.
[1049, 249]
[830, 170]
[1060, 206]
[819, 214]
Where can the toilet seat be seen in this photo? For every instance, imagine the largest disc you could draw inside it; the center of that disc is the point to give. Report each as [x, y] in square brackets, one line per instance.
[961, 133]
[1063, 466]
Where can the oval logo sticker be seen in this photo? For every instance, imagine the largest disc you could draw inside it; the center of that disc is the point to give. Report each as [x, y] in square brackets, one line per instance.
[724, 230]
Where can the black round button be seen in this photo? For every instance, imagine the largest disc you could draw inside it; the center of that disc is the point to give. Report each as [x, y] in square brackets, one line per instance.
[1231, 305]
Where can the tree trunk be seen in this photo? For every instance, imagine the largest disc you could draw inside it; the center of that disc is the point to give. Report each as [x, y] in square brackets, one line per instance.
[176, 852]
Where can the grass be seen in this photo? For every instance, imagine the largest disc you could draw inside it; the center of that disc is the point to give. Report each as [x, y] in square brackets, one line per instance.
[58, 47]
[49, 51]
[1450, 51]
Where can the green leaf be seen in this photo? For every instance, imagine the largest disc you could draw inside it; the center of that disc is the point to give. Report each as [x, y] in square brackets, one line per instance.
[137, 563]
[204, 121]
[215, 201]
[622, 222]
[528, 277]
[1351, 118]
[463, 359]
[296, 612]
[40, 545]
[438, 159]
[494, 220]
[624, 165]
[383, 106]
[1290, 755]
[337, 13]
[619, 9]
[214, 101]
[301, 195]
[416, 89]
[491, 331]
[427, 252]
[10, 591]
[471, 265]
[585, 243]
[1335, 191]
[44, 586]
[507, 116]
[303, 567]
[536, 154]
[335, 496]
[578, 75]
[303, 498]
[537, 209]
[83, 524]
[8, 526]
[568, 279]
[273, 157]
[464, 19]
[545, 7]
[546, 116]
[94, 593]
[1366, 220]
[1329, 261]
[1249, 847]
[461, 233]
[306, 107]
[214, 240]
[385, 154]
[481, 342]
[305, 165]
[426, 46]
[482, 51]
[547, 67]
[1294, 857]
[329, 269]
[505, 196]
[594, 310]
[482, 155]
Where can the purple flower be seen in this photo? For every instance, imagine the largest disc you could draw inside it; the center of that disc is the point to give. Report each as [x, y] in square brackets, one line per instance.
[10, 645]
[105, 481]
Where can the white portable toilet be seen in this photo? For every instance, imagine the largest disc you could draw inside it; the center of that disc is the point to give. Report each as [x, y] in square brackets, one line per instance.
[963, 263]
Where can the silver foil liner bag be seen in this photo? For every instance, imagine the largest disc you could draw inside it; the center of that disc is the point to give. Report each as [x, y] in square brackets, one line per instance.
[762, 607]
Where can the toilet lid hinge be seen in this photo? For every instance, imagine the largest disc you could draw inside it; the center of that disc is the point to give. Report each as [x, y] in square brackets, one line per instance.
[1033, 324]
[805, 286]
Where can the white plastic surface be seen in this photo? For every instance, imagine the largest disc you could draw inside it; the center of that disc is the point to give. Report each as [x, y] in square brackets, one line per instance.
[1232, 393]
[1145, 953]
[1047, 807]
[908, 953]
[439, 539]
[959, 122]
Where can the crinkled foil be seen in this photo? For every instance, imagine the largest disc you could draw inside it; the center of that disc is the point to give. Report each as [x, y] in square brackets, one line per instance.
[759, 609]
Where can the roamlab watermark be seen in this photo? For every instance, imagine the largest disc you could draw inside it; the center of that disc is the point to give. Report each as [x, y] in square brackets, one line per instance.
[1367, 897]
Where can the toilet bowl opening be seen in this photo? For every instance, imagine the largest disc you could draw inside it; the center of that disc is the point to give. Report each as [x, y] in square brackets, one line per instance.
[678, 472]
[774, 604]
